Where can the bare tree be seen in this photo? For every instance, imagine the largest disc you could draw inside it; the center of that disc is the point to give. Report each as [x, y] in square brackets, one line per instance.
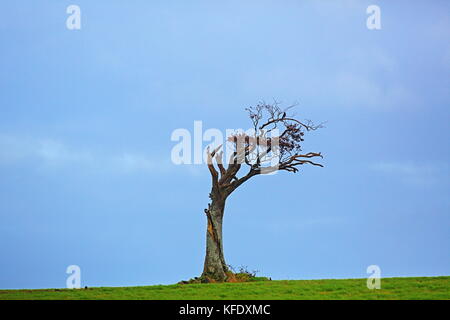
[274, 145]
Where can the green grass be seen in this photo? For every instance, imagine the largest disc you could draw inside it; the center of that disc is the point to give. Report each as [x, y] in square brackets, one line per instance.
[391, 288]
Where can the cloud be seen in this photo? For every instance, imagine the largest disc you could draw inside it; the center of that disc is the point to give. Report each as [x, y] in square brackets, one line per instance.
[370, 78]
[410, 173]
[359, 78]
[56, 153]
[50, 153]
[129, 162]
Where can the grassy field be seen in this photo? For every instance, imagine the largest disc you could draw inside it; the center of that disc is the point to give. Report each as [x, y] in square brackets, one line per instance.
[391, 288]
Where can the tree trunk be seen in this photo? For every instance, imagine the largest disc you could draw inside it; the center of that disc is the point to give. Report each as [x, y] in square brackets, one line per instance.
[215, 267]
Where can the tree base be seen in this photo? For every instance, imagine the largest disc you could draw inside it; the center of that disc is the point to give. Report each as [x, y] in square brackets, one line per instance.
[231, 277]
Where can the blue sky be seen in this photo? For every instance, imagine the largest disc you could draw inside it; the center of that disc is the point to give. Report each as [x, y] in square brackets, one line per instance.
[86, 118]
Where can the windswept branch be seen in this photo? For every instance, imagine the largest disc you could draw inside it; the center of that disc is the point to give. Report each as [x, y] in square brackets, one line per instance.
[274, 145]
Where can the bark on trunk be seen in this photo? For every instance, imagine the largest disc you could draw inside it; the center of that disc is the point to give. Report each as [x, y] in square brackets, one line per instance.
[215, 266]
